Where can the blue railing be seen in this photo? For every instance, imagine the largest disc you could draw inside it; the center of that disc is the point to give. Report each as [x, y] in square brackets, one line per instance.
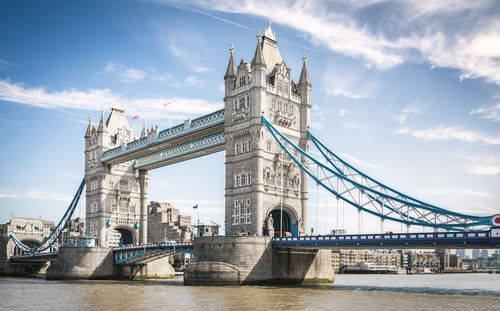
[51, 239]
[189, 126]
[136, 254]
[178, 151]
[396, 240]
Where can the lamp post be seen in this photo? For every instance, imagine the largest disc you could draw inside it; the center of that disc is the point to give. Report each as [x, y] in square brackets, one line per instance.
[198, 218]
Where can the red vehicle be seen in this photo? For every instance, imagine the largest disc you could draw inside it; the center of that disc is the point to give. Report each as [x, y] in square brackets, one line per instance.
[285, 233]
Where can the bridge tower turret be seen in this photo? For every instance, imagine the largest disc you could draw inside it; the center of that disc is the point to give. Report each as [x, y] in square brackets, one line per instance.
[265, 190]
[116, 196]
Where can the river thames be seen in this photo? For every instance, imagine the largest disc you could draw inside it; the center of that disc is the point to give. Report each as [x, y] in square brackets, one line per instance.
[350, 292]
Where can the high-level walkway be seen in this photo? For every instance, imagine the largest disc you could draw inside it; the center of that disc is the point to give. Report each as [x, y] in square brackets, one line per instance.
[191, 139]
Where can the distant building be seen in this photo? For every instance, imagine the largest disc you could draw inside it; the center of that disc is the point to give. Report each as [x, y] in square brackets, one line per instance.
[476, 254]
[338, 232]
[353, 257]
[455, 261]
[385, 258]
[206, 230]
[423, 262]
[444, 258]
[29, 231]
[470, 266]
[336, 264]
[166, 223]
[484, 253]
[460, 252]
[75, 228]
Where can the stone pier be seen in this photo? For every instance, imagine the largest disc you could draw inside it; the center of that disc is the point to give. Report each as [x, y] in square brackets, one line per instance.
[97, 263]
[237, 260]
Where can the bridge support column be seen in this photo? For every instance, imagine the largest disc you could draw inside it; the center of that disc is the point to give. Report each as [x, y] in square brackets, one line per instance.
[240, 260]
[143, 183]
[97, 263]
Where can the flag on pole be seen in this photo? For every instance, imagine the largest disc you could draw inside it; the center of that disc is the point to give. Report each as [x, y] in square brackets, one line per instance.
[135, 117]
[166, 104]
[196, 206]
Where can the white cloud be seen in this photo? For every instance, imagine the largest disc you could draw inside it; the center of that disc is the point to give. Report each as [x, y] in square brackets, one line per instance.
[488, 209]
[8, 196]
[492, 112]
[348, 83]
[35, 194]
[462, 35]
[480, 165]
[450, 133]
[185, 43]
[193, 81]
[346, 93]
[125, 74]
[318, 126]
[453, 192]
[410, 109]
[421, 8]
[130, 75]
[162, 77]
[110, 67]
[318, 111]
[351, 159]
[342, 112]
[4, 63]
[354, 125]
[401, 118]
[479, 169]
[179, 109]
[94, 99]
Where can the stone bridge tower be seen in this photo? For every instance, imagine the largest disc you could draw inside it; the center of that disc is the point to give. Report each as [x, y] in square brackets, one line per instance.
[261, 181]
[116, 195]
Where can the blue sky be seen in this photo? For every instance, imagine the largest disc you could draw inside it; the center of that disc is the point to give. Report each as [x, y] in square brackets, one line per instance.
[408, 91]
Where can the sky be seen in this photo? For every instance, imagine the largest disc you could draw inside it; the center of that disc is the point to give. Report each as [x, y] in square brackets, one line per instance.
[406, 91]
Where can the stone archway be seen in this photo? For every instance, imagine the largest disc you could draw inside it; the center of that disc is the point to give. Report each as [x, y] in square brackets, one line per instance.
[276, 218]
[121, 235]
[15, 250]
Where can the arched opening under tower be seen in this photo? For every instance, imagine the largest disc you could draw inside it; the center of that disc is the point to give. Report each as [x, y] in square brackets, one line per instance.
[120, 236]
[28, 242]
[280, 222]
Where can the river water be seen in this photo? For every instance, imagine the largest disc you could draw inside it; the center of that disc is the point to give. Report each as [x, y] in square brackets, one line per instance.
[350, 292]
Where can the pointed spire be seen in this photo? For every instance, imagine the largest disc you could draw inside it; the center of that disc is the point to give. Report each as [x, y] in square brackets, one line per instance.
[304, 76]
[89, 128]
[258, 58]
[268, 32]
[144, 131]
[231, 67]
[117, 105]
[102, 126]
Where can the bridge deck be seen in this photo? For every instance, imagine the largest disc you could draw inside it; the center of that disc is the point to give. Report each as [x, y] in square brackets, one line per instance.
[475, 239]
[182, 134]
[36, 258]
[141, 254]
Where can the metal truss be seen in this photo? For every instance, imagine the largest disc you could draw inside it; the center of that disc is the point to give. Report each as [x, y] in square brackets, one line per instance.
[190, 126]
[142, 254]
[366, 194]
[51, 240]
[199, 146]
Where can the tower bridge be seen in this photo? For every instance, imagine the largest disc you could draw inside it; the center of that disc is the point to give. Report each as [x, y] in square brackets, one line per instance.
[264, 131]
